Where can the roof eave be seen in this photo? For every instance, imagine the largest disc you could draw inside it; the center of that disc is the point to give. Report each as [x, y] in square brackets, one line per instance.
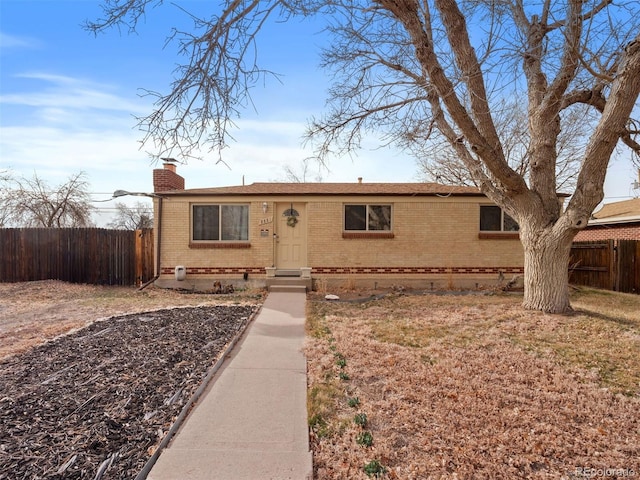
[614, 220]
[187, 193]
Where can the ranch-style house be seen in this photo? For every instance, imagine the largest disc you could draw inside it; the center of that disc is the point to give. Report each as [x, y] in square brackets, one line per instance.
[415, 235]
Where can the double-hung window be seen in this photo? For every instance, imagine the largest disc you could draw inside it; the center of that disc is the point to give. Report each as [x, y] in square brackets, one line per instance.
[220, 222]
[494, 219]
[367, 218]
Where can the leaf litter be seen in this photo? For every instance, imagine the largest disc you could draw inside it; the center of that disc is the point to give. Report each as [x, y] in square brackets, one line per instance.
[473, 387]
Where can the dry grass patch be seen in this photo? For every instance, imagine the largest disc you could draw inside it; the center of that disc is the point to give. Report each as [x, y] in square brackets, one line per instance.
[34, 312]
[475, 387]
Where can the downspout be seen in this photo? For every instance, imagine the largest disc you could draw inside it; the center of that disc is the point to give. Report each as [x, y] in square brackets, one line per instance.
[158, 243]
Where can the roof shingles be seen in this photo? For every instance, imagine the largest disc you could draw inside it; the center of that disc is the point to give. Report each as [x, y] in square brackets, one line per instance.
[627, 208]
[274, 188]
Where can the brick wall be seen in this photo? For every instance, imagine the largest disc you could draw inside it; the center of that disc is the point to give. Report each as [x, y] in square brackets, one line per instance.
[176, 236]
[624, 231]
[166, 179]
[433, 238]
[433, 232]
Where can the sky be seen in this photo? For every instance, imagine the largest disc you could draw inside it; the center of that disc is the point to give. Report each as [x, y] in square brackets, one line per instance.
[68, 102]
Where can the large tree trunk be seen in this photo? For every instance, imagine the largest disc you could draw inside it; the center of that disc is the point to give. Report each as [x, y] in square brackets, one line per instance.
[546, 269]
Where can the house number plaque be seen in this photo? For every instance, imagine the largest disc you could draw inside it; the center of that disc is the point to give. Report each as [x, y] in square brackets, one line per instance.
[264, 221]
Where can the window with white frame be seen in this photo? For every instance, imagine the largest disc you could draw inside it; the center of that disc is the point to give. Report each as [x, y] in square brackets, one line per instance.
[220, 222]
[367, 217]
[494, 219]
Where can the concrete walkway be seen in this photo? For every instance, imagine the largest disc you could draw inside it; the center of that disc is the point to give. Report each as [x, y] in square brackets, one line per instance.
[251, 423]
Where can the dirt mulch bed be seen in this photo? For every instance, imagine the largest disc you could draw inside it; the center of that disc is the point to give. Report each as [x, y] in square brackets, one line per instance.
[96, 403]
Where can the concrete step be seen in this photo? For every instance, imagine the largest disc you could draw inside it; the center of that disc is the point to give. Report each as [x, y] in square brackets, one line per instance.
[289, 284]
[288, 288]
[288, 273]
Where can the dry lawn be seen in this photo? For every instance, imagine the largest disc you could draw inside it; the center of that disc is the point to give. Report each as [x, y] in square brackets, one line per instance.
[427, 386]
[474, 387]
[33, 312]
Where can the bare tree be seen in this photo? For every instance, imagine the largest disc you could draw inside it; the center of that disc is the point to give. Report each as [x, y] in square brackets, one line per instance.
[411, 68]
[137, 217]
[5, 211]
[438, 161]
[31, 202]
[303, 173]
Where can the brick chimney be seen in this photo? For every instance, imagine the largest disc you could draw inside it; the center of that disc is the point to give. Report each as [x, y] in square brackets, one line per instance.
[166, 179]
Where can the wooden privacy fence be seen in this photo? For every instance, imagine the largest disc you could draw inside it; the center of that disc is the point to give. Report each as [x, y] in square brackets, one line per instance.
[78, 255]
[607, 264]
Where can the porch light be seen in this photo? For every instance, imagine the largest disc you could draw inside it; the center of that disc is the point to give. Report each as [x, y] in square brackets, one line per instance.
[265, 207]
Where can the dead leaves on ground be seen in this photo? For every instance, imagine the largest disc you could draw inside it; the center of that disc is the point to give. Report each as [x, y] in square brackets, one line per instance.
[475, 388]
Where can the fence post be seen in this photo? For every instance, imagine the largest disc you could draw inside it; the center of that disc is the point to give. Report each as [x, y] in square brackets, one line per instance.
[628, 266]
[139, 235]
[612, 265]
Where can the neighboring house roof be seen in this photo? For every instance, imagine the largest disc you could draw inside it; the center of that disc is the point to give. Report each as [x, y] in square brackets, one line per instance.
[264, 188]
[618, 212]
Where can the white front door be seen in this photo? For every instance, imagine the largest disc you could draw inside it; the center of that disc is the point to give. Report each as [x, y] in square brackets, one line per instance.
[291, 250]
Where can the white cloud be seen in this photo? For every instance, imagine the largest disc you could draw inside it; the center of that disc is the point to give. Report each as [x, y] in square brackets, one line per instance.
[71, 125]
[62, 92]
[262, 160]
[8, 41]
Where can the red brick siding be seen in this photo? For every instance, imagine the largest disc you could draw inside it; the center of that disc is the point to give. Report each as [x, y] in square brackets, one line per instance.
[628, 231]
[216, 270]
[357, 270]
